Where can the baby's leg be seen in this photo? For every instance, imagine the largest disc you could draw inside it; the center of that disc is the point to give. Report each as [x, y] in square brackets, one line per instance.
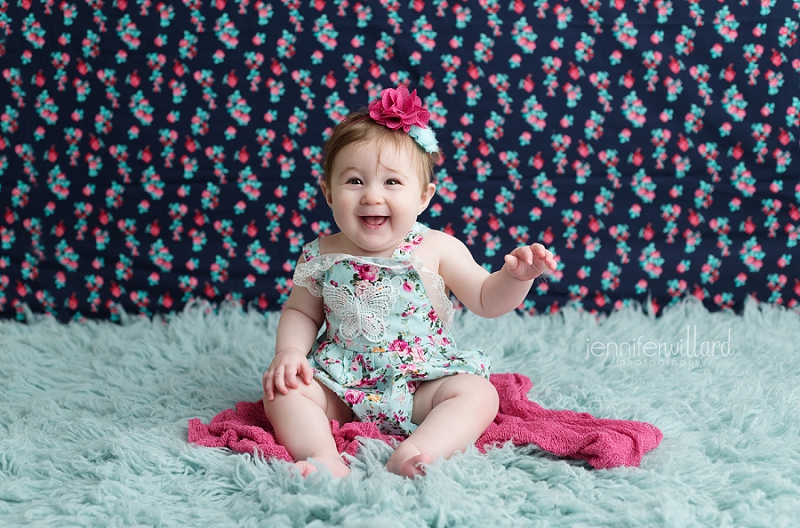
[452, 413]
[301, 420]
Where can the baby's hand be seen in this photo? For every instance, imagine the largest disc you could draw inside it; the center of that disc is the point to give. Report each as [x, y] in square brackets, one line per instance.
[284, 372]
[528, 262]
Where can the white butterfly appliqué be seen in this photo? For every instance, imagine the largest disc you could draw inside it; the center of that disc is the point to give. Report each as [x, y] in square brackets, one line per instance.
[362, 312]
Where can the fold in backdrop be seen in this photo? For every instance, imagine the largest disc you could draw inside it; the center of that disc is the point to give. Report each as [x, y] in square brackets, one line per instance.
[152, 153]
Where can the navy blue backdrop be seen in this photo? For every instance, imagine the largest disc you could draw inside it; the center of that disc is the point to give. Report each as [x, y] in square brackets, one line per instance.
[152, 153]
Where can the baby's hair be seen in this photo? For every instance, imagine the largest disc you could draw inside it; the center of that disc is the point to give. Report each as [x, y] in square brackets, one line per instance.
[358, 127]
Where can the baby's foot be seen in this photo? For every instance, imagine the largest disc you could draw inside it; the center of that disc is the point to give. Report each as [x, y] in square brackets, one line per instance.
[334, 463]
[407, 461]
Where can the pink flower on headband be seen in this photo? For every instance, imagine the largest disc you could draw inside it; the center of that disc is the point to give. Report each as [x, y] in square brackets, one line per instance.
[397, 108]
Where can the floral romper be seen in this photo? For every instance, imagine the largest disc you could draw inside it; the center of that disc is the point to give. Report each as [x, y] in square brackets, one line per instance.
[387, 329]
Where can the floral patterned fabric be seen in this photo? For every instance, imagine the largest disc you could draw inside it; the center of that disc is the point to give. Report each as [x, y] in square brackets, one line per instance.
[154, 154]
[383, 334]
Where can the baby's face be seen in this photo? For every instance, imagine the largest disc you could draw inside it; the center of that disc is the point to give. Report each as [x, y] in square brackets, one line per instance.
[376, 194]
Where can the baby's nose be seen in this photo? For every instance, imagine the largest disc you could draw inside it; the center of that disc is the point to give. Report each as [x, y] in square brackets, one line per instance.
[373, 194]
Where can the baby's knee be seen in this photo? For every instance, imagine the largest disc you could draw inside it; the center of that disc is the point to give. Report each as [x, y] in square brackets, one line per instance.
[486, 393]
[311, 391]
[474, 387]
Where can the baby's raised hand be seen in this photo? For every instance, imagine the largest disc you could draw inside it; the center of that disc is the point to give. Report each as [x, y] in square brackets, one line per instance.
[528, 262]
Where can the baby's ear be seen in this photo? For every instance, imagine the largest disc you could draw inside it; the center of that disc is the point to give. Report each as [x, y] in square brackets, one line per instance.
[326, 191]
[427, 195]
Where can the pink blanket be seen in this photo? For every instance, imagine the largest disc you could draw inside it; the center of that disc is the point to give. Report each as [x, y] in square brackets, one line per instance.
[603, 443]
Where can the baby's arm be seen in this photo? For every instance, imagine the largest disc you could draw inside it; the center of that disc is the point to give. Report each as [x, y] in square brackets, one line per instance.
[491, 295]
[297, 331]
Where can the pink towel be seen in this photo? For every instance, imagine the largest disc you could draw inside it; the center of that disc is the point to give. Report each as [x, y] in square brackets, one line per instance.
[603, 443]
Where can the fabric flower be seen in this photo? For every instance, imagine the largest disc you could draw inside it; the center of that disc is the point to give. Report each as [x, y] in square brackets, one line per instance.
[397, 108]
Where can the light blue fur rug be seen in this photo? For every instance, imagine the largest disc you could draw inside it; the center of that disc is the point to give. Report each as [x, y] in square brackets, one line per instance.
[93, 426]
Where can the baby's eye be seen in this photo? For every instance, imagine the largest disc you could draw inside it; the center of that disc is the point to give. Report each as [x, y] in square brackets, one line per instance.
[354, 181]
[392, 182]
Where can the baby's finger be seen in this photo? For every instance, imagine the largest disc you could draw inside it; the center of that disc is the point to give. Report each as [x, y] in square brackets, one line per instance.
[529, 254]
[512, 261]
[551, 261]
[266, 381]
[280, 382]
[306, 372]
[291, 378]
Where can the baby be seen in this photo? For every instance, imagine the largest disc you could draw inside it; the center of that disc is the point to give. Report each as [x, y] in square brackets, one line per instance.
[381, 286]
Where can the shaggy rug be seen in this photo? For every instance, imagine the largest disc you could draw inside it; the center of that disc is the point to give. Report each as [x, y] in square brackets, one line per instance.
[94, 422]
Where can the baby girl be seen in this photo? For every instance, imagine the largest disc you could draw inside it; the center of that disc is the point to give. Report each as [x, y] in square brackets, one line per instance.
[381, 286]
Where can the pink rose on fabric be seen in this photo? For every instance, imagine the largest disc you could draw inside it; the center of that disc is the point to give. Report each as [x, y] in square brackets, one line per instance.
[353, 397]
[366, 272]
[408, 368]
[397, 108]
[442, 341]
[367, 382]
[418, 354]
[408, 247]
[400, 346]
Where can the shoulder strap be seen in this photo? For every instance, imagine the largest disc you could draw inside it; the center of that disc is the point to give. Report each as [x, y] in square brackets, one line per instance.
[411, 241]
[311, 250]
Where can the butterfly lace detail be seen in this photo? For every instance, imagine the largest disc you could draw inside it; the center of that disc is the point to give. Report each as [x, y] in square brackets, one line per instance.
[362, 311]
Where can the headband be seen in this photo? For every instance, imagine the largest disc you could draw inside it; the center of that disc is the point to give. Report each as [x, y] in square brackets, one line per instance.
[397, 108]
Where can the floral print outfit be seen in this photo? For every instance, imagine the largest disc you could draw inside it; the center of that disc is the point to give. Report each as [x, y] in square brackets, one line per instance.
[385, 332]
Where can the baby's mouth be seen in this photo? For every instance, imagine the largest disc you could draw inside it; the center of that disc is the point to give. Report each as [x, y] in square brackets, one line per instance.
[374, 222]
